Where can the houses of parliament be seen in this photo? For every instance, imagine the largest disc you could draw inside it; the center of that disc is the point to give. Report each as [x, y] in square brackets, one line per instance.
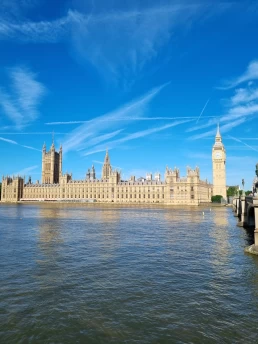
[173, 190]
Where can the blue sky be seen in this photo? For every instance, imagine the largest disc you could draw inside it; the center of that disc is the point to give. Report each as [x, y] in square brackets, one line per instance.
[149, 80]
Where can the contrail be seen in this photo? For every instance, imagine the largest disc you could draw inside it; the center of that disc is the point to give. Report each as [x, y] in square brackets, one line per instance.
[134, 119]
[234, 138]
[203, 110]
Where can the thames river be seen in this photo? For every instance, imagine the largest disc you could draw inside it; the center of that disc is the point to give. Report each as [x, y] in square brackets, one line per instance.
[95, 274]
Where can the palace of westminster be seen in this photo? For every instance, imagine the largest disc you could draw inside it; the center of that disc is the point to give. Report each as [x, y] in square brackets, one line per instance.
[174, 190]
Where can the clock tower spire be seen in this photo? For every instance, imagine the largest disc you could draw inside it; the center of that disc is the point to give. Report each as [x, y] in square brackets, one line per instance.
[219, 167]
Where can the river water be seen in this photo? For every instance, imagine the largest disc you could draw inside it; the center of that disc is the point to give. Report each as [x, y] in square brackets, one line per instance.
[93, 274]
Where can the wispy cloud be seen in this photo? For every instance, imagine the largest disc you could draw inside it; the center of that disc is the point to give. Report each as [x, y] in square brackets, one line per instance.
[32, 133]
[133, 136]
[100, 126]
[103, 138]
[203, 110]
[118, 43]
[9, 141]
[17, 8]
[246, 110]
[133, 119]
[244, 95]
[241, 107]
[66, 123]
[20, 103]
[249, 75]
[37, 32]
[32, 148]
[245, 144]
[224, 128]
[26, 170]
[16, 143]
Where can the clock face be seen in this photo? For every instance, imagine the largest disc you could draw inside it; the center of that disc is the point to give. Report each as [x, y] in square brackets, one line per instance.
[218, 155]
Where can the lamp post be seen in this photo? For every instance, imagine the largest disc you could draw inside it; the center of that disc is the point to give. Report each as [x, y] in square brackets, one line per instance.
[243, 184]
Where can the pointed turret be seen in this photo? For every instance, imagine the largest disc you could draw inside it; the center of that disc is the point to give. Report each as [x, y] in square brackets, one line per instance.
[106, 169]
[218, 136]
[218, 132]
[44, 148]
[218, 139]
[107, 158]
[93, 174]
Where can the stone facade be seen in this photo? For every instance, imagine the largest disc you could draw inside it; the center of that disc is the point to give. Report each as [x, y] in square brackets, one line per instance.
[55, 186]
[51, 165]
[219, 167]
[12, 189]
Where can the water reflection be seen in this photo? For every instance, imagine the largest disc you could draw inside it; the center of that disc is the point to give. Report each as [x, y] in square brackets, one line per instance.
[97, 274]
[49, 225]
[220, 243]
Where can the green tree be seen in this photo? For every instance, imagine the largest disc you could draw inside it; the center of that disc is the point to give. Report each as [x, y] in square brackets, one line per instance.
[232, 191]
[246, 192]
[216, 199]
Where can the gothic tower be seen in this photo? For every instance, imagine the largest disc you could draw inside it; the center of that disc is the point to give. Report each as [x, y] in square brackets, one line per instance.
[60, 162]
[219, 167]
[51, 165]
[106, 169]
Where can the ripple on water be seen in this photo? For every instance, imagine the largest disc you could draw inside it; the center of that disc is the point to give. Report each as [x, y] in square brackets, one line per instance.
[125, 275]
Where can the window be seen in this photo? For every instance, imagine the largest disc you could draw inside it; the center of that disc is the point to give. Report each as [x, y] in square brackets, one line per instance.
[192, 189]
[192, 196]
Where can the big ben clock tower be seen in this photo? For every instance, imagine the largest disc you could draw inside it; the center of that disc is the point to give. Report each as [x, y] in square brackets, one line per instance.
[219, 167]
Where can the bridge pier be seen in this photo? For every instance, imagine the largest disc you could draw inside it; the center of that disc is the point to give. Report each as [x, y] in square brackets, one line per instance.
[254, 248]
[238, 207]
[255, 203]
[242, 211]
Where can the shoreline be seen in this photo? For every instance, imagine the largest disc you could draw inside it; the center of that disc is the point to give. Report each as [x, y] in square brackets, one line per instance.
[115, 204]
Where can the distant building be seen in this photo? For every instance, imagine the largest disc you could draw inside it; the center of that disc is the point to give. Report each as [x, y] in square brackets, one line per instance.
[174, 190]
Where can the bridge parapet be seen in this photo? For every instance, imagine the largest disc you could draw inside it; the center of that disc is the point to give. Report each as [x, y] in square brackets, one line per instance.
[249, 199]
[255, 204]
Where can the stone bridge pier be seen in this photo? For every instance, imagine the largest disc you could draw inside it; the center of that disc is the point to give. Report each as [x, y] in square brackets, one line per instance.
[256, 222]
[246, 209]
